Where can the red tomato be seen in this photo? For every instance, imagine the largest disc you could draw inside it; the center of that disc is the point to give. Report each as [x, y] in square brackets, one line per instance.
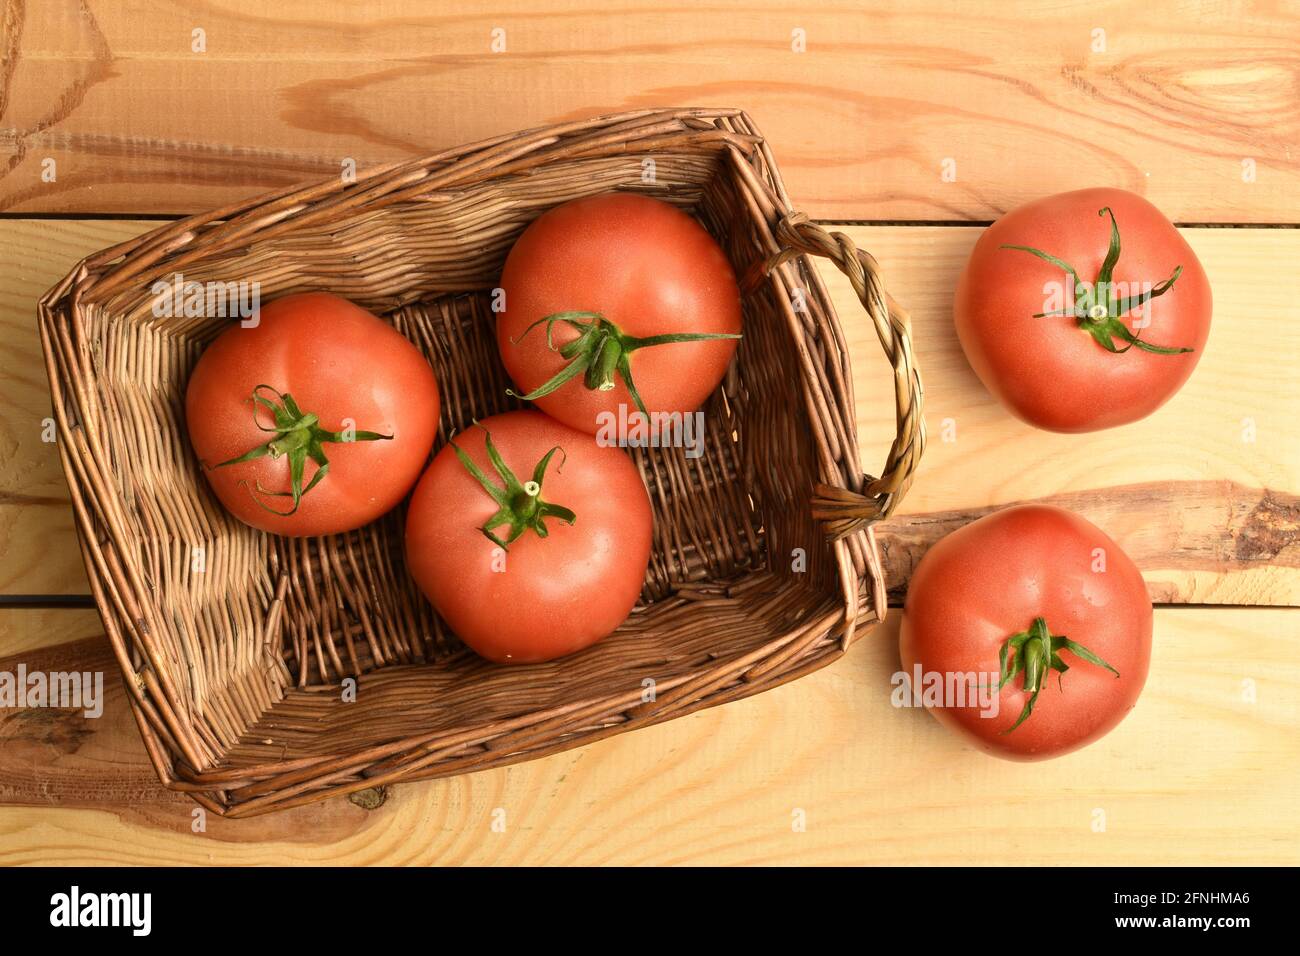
[1058, 371]
[317, 381]
[991, 581]
[631, 268]
[569, 568]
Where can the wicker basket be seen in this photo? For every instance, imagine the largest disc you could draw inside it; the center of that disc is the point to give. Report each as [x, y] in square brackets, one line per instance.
[235, 662]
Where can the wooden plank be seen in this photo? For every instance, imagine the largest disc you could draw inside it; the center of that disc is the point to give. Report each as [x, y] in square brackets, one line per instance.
[1202, 494]
[1234, 540]
[1022, 100]
[1211, 774]
[30, 629]
[1210, 518]
[37, 539]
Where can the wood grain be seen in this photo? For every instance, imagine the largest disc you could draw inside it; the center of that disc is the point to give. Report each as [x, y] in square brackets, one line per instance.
[61, 758]
[1217, 528]
[1206, 770]
[862, 122]
[1208, 516]
[1210, 774]
[29, 629]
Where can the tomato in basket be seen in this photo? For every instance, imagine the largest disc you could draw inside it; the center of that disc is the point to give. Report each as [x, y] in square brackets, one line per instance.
[1029, 631]
[529, 537]
[316, 419]
[617, 300]
[1083, 310]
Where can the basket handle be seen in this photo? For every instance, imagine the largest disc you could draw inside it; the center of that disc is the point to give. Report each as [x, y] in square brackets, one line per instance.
[840, 510]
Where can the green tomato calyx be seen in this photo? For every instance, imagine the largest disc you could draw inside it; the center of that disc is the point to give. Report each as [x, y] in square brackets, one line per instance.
[1098, 307]
[519, 505]
[1036, 653]
[600, 352]
[298, 437]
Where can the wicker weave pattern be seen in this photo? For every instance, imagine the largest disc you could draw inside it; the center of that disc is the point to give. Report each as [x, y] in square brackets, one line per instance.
[234, 664]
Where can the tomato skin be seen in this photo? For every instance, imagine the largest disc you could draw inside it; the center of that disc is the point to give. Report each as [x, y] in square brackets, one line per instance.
[558, 594]
[644, 265]
[340, 362]
[1048, 371]
[990, 579]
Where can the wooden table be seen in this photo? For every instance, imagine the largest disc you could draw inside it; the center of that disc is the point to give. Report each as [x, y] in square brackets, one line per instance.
[915, 122]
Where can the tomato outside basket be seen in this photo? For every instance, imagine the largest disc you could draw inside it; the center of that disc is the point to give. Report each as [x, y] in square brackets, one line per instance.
[234, 643]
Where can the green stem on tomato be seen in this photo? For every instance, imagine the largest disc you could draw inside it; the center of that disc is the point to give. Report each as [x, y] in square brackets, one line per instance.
[298, 437]
[1036, 653]
[1097, 308]
[519, 505]
[600, 352]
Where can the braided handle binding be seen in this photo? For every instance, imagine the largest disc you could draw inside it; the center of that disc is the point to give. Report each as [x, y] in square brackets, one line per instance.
[840, 510]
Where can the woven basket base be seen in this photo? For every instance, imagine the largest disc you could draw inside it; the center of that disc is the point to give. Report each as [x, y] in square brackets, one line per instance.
[241, 650]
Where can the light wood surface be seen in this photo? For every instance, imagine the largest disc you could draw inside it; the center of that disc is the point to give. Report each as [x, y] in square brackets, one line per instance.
[106, 107]
[26, 630]
[1209, 517]
[1198, 773]
[1203, 493]
[1020, 97]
